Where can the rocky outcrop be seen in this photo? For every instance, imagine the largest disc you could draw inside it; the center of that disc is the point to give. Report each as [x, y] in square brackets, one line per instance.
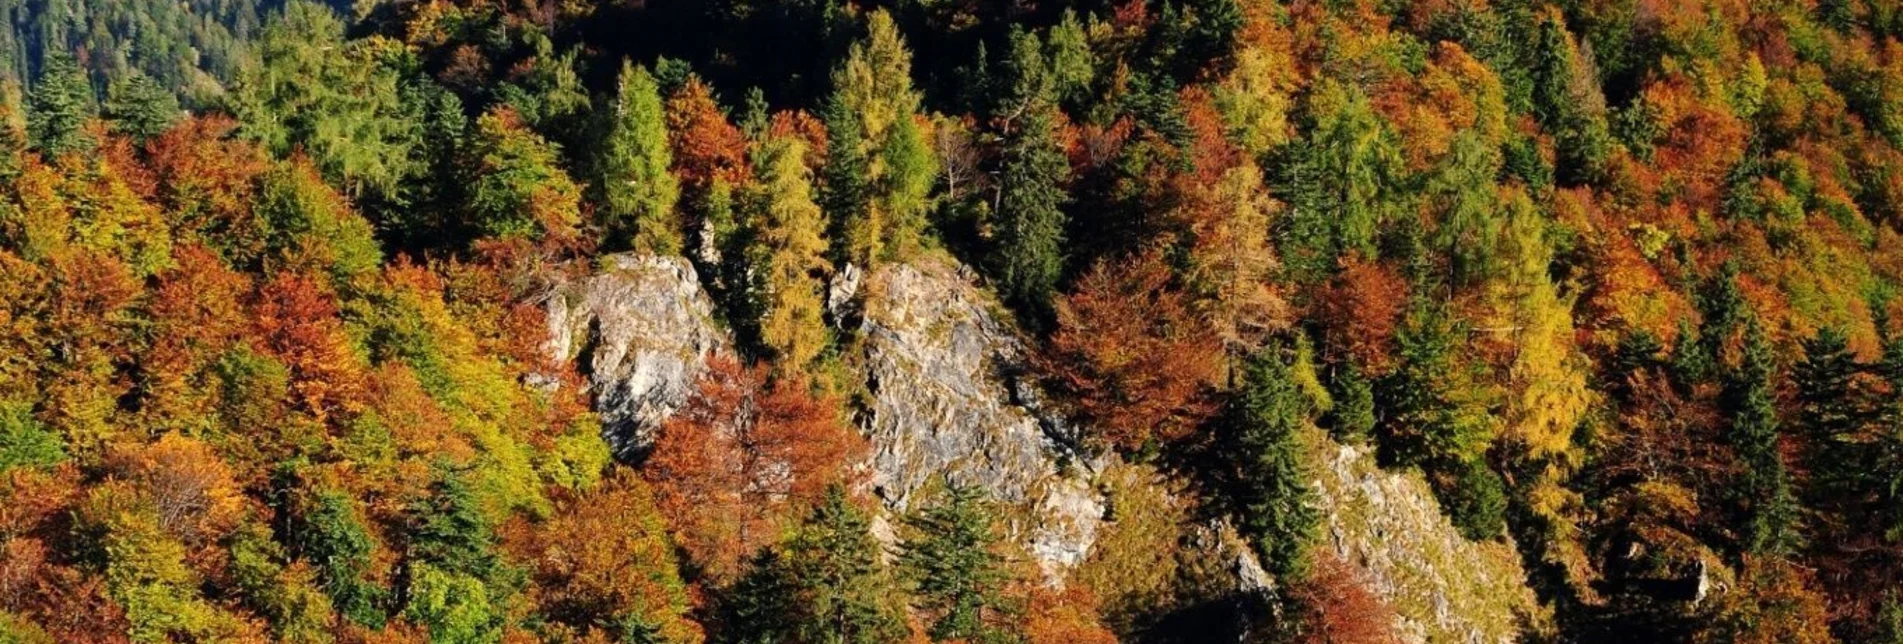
[640, 331]
[941, 371]
[1445, 588]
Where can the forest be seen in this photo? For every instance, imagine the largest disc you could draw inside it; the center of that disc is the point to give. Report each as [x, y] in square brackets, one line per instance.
[1619, 282]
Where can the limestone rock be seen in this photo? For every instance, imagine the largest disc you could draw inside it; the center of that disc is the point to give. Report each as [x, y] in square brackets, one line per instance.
[1444, 587]
[942, 371]
[640, 331]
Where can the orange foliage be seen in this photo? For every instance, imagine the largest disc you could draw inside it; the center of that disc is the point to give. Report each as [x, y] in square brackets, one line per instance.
[1337, 607]
[741, 458]
[707, 147]
[1130, 354]
[297, 321]
[1359, 311]
[1062, 616]
[606, 556]
[207, 181]
[191, 488]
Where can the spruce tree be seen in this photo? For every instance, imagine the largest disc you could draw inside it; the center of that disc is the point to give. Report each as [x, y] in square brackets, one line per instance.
[826, 584]
[1266, 419]
[638, 193]
[58, 108]
[140, 107]
[1769, 505]
[1828, 412]
[1028, 260]
[954, 565]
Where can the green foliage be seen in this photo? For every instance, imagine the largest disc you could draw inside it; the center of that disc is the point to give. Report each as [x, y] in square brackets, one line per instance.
[871, 117]
[332, 536]
[826, 584]
[1027, 259]
[1353, 417]
[454, 607]
[24, 441]
[58, 107]
[337, 100]
[953, 563]
[517, 187]
[1764, 488]
[1341, 183]
[1475, 498]
[140, 107]
[638, 193]
[1269, 418]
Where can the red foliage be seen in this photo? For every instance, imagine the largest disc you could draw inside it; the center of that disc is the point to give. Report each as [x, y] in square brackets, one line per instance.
[1131, 356]
[1337, 607]
[296, 319]
[1359, 311]
[207, 182]
[707, 147]
[741, 458]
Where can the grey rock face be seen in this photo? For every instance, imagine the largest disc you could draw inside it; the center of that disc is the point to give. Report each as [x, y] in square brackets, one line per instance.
[640, 330]
[942, 371]
[1444, 587]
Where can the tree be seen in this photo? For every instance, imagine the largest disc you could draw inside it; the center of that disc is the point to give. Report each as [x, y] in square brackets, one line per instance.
[826, 584]
[954, 566]
[638, 192]
[789, 255]
[1268, 422]
[517, 187]
[1027, 257]
[1568, 101]
[1130, 356]
[604, 558]
[731, 466]
[1342, 185]
[1764, 487]
[59, 106]
[1828, 411]
[337, 99]
[141, 107]
[874, 123]
[330, 532]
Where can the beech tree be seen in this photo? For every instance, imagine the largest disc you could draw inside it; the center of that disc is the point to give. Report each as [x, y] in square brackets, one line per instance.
[1128, 352]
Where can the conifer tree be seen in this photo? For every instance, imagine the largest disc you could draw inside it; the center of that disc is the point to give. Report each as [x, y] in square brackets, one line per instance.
[1769, 505]
[871, 121]
[141, 107]
[59, 106]
[638, 193]
[826, 584]
[1267, 418]
[954, 564]
[1028, 258]
[1828, 411]
[789, 254]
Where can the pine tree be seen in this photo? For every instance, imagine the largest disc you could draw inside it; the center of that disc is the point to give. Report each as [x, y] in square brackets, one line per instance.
[955, 568]
[58, 108]
[1267, 419]
[638, 193]
[1765, 488]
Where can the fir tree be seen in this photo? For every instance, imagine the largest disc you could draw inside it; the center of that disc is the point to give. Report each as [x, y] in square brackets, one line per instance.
[955, 568]
[1770, 507]
[1028, 257]
[139, 106]
[1267, 419]
[826, 584]
[58, 108]
[1828, 411]
[638, 193]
